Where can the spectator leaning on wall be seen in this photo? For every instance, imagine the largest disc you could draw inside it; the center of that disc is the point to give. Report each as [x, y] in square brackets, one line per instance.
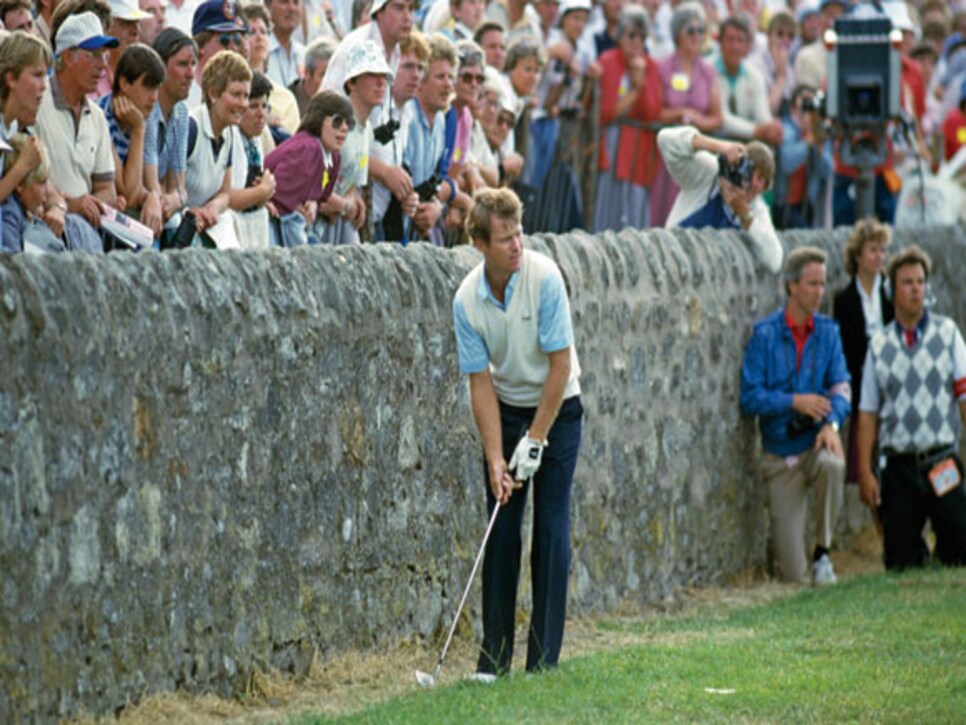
[795, 379]
[707, 199]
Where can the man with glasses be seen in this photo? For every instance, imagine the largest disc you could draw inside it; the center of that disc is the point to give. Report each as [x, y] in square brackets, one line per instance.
[74, 129]
[216, 26]
[744, 99]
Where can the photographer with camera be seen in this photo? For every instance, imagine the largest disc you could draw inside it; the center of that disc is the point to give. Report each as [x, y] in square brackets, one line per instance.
[795, 379]
[721, 186]
[804, 163]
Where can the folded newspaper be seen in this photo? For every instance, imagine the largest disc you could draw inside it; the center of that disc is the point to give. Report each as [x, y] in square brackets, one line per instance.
[127, 230]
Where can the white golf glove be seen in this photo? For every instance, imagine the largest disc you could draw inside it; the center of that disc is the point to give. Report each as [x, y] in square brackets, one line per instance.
[526, 458]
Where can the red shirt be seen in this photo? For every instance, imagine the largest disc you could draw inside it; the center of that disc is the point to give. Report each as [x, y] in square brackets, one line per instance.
[800, 335]
[954, 132]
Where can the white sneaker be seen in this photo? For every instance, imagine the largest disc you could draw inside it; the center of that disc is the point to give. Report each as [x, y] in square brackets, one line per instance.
[483, 678]
[822, 571]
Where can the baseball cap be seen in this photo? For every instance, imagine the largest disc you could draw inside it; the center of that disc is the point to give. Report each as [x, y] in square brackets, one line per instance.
[377, 5]
[127, 10]
[83, 31]
[366, 57]
[217, 16]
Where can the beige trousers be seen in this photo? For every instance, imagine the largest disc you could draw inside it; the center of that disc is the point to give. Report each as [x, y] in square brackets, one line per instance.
[787, 495]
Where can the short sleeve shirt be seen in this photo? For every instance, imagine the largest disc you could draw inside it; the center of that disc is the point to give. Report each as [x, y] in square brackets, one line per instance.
[80, 149]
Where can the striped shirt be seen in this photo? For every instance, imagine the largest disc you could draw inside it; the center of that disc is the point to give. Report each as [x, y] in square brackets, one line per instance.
[122, 140]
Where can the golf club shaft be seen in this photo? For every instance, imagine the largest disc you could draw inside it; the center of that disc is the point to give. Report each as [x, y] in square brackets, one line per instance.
[476, 565]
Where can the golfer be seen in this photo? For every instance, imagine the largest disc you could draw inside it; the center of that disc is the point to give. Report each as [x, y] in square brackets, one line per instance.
[516, 342]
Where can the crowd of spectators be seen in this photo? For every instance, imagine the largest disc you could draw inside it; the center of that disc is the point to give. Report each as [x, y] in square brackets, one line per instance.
[135, 123]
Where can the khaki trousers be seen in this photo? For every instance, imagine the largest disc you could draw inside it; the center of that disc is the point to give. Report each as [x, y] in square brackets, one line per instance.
[787, 495]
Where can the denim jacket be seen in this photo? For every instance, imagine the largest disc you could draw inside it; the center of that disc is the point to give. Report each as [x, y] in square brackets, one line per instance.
[769, 379]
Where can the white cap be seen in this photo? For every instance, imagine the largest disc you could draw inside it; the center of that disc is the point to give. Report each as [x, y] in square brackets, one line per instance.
[567, 5]
[377, 5]
[83, 31]
[127, 10]
[366, 57]
[898, 13]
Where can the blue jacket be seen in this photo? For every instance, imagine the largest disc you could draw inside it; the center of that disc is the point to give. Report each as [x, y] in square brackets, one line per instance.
[769, 379]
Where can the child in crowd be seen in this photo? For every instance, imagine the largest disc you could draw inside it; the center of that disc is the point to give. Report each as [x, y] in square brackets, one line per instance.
[23, 228]
[252, 186]
[306, 167]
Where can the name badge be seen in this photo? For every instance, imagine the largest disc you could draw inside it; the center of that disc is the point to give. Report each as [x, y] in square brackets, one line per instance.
[680, 82]
[944, 477]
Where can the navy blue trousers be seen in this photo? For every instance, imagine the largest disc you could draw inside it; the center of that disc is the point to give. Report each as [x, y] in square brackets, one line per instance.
[550, 549]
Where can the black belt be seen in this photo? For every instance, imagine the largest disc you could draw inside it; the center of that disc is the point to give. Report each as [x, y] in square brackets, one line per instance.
[920, 459]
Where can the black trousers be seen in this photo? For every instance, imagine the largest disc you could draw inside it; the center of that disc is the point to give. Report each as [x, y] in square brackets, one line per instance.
[908, 500]
[550, 548]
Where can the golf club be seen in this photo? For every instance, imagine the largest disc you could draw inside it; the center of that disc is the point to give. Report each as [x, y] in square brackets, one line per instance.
[424, 678]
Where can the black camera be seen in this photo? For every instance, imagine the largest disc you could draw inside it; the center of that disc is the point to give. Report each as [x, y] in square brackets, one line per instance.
[427, 190]
[386, 132]
[814, 103]
[738, 174]
[864, 69]
[799, 425]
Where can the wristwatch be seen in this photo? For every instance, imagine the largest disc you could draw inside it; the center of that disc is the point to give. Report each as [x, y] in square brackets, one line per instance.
[835, 425]
[748, 217]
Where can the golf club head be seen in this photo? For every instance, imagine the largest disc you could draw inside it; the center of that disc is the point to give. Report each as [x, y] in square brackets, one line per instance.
[425, 679]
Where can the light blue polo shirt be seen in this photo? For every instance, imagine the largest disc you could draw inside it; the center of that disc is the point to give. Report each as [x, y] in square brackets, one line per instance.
[555, 329]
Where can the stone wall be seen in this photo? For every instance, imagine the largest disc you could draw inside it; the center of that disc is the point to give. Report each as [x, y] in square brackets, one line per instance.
[211, 463]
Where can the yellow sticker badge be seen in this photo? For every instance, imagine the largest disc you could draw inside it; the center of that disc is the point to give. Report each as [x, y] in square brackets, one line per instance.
[961, 135]
[680, 82]
[456, 155]
[325, 178]
[363, 163]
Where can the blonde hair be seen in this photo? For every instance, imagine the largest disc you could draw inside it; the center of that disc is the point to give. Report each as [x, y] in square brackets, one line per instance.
[224, 67]
[865, 230]
[41, 172]
[17, 51]
[489, 203]
[763, 160]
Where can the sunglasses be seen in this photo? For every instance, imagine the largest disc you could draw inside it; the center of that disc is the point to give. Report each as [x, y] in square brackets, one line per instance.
[695, 30]
[340, 121]
[477, 78]
[229, 39]
[634, 35]
[505, 121]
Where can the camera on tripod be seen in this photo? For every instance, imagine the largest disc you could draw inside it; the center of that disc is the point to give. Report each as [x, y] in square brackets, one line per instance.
[864, 65]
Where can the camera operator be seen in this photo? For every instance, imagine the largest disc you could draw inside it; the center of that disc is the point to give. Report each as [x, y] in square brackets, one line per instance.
[804, 163]
[702, 167]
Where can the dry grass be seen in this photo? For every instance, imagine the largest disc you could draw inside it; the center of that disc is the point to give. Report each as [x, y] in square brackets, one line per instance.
[354, 681]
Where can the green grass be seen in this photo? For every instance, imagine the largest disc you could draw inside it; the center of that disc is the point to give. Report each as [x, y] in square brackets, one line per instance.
[880, 648]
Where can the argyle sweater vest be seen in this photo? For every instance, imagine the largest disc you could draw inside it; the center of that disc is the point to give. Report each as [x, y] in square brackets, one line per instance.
[917, 410]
